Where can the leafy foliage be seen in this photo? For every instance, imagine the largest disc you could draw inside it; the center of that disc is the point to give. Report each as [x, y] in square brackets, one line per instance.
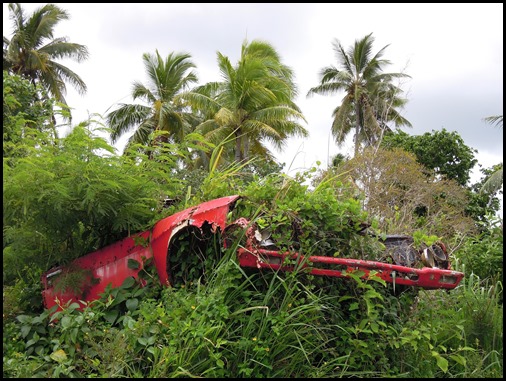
[62, 201]
[262, 324]
[440, 151]
[495, 181]
[161, 111]
[483, 255]
[483, 204]
[309, 221]
[24, 115]
[455, 162]
[253, 104]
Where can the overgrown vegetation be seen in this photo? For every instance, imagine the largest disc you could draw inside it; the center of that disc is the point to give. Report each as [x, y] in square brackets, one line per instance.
[67, 196]
[223, 321]
[256, 324]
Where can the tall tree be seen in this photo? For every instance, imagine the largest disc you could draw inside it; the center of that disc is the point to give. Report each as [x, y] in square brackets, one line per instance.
[443, 152]
[371, 98]
[162, 110]
[400, 192]
[253, 104]
[33, 50]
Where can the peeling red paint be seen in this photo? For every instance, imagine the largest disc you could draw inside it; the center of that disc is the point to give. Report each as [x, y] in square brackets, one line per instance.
[109, 265]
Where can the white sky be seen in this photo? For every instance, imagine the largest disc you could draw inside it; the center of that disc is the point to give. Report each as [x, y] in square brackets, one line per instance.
[453, 52]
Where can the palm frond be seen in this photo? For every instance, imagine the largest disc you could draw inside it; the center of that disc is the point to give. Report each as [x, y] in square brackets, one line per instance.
[494, 120]
[64, 74]
[493, 183]
[59, 48]
[125, 118]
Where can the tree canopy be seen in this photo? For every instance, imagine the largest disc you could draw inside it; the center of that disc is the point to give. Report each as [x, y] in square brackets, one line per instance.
[371, 99]
[160, 109]
[33, 51]
[441, 151]
[254, 103]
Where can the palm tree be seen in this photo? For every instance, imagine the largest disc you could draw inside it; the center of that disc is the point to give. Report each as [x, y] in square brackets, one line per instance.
[495, 180]
[371, 99]
[33, 50]
[163, 110]
[253, 104]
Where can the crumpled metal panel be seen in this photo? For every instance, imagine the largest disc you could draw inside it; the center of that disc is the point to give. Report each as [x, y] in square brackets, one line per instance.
[213, 212]
[109, 265]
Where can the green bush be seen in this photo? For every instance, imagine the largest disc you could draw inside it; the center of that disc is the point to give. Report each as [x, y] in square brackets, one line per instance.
[482, 255]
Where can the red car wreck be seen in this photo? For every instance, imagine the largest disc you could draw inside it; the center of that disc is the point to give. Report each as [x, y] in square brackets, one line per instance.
[110, 265]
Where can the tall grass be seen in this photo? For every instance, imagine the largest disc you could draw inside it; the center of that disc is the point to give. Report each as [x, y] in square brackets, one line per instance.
[238, 324]
[464, 326]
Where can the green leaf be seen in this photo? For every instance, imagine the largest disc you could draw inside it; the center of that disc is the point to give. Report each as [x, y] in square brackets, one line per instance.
[120, 298]
[59, 356]
[128, 282]
[111, 316]
[142, 341]
[458, 359]
[73, 306]
[372, 294]
[130, 323]
[30, 342]
[66, 322]
[25, 330]
[131, 304]
[23, 319]
[73, 335]
[442, 363]
[133, 264]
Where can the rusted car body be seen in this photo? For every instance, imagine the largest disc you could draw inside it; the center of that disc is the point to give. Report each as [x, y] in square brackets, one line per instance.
[110, 265]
